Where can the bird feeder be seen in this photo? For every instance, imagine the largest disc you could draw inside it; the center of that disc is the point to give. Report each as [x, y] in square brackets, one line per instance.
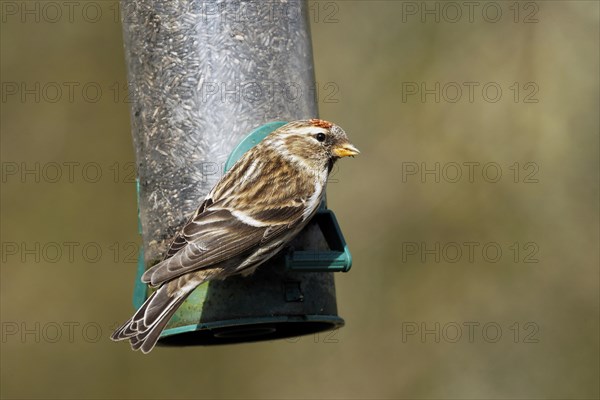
[203, 76]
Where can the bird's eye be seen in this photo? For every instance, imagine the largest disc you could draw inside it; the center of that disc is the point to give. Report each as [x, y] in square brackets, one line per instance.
[320, 137]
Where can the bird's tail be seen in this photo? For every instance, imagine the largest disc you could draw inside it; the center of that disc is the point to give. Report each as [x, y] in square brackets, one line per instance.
[146, 325]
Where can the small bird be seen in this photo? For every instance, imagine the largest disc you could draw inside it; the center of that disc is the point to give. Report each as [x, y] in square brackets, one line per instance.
[257, 207]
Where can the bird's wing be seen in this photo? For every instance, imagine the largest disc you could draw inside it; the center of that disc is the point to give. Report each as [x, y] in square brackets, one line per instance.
[179, 242]
[252, 206]
[219, 234]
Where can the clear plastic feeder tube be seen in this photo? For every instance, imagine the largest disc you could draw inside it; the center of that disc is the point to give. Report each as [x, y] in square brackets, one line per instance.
[202, 75]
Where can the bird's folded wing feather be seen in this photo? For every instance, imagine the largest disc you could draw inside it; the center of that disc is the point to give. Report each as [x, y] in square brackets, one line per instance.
[217, 234]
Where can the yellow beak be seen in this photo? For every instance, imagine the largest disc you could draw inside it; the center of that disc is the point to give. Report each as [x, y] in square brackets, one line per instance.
[345, 150]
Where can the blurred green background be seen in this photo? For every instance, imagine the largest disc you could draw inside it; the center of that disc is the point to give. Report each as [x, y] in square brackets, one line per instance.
[528, 318]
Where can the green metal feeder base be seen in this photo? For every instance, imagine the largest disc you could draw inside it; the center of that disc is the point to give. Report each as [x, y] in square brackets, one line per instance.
[273, 303]
[249, 330]
[291, 295]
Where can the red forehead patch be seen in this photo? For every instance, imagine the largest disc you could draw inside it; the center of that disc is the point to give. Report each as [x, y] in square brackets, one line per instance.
[321, 123]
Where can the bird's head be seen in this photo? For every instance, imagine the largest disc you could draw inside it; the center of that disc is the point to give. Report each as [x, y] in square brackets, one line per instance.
[316, 142]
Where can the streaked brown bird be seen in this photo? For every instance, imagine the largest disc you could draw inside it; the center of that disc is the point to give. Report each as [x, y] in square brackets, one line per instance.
[256, 208]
